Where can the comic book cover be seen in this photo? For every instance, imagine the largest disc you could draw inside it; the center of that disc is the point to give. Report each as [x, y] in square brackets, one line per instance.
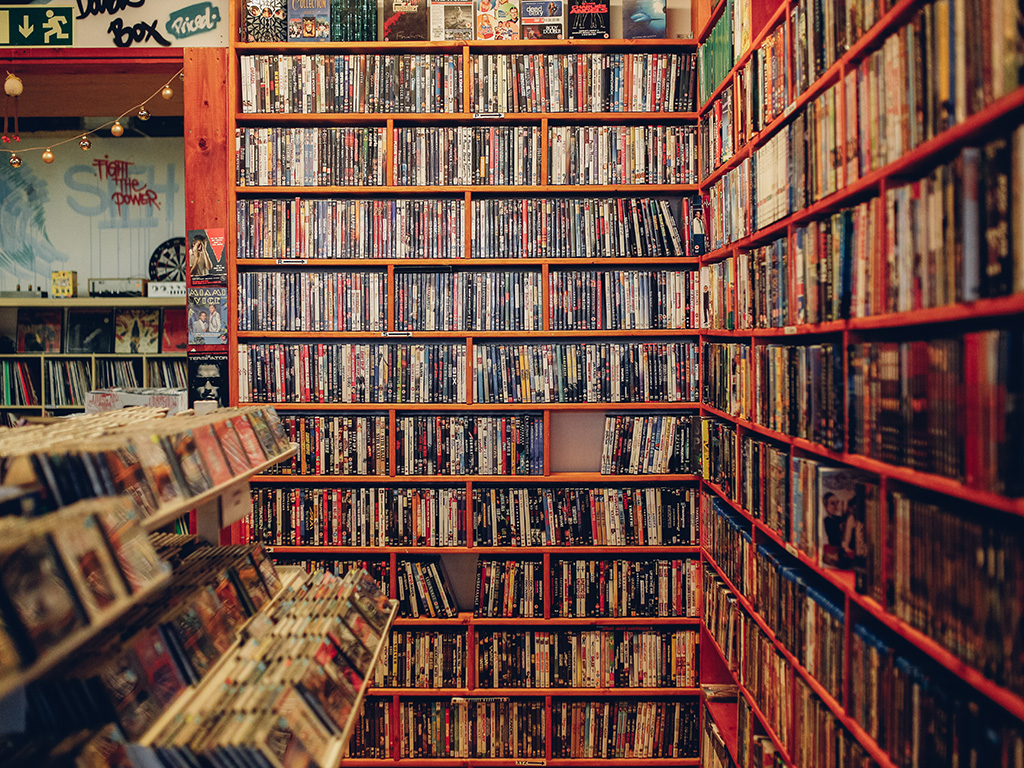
[208, 315]
[139, 563]
[187, 463]
[38, 596]
[237, 458]
[162, 676]
[125, 681]
[211, 454]
[156, 462]
[39, 330]
[136, 331]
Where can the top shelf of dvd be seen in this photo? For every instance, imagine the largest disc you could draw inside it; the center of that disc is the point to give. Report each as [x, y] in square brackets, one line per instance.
[453, 26]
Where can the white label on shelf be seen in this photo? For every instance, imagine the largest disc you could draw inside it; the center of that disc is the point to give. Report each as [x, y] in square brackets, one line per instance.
[488, 115]
[291, 261]
[789, 110]
[789, 330]
[791, 548]
[236, 503]
[396, 333]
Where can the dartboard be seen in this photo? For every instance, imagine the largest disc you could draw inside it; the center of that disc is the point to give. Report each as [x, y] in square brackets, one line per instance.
[167, 264]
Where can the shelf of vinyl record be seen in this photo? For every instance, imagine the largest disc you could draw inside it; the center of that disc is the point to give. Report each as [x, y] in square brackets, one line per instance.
[67, 347]
[42, 383]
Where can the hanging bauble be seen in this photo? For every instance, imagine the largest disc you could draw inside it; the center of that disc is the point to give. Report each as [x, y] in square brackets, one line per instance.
[117, 129]
[143, 113]
[47, 155]
[13, 85]
[85, 143]
[15, 161]
[167, 92]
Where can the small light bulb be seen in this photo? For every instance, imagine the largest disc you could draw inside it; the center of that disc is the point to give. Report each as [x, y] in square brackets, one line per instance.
[117, 129]
[47, 155]
[143, 114]
[167, 92]
[85, 143]
[15, 161]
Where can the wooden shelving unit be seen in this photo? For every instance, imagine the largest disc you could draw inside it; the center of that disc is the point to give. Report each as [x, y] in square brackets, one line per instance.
[46, 380]
[1004, 707]
[552, 473]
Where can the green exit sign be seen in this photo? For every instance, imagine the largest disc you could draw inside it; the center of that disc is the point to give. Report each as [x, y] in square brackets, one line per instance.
[36, 27]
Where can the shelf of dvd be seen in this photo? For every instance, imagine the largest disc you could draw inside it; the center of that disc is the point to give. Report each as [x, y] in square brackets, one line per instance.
[777, 268]
[437, 282]
[860, 168]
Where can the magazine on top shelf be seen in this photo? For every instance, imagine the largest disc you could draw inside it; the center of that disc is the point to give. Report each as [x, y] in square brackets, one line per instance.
[309, 21]
[589, 20]
[643, 19]
[451, 19]
[542, 19]
[406, 20]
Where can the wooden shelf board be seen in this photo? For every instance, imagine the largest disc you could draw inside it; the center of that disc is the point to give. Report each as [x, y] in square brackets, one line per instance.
[383, 550]
[399, 190]
[455, 118]
[726, 718]
[524, 692]
[171, 512]
[537, 334]
[102, 302]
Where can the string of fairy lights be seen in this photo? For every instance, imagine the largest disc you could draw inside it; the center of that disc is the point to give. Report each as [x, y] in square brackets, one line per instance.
[165, 92]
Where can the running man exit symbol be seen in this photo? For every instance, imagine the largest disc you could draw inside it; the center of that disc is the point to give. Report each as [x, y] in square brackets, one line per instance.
[31, 27]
